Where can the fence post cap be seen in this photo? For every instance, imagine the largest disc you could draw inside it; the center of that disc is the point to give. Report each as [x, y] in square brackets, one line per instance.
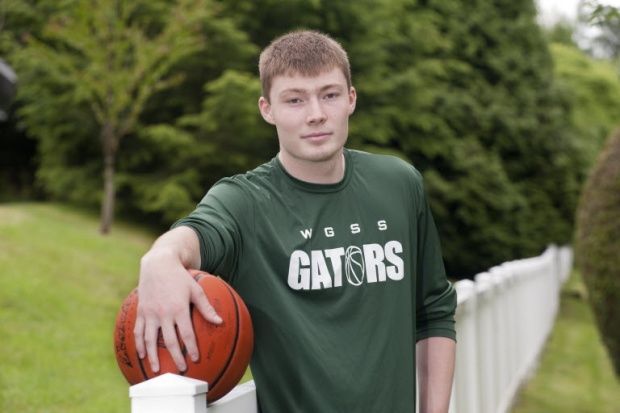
[464, 289]
[484, 278]
[168, 385]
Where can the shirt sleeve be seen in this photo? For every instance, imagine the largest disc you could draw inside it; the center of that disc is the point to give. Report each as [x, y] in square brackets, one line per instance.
[217, 221]
[435, 295]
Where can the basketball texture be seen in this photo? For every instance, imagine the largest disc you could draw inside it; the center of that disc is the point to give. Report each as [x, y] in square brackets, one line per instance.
[225, 349]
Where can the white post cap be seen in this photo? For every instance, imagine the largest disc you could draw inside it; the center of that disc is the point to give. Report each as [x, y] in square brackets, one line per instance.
[169, 393]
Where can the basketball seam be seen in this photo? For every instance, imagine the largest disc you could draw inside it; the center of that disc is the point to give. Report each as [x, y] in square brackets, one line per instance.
[236, 341]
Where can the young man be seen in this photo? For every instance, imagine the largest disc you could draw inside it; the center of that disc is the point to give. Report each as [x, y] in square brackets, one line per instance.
[334, 251]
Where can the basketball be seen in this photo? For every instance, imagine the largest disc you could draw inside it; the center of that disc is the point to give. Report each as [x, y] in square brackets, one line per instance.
[225, 349]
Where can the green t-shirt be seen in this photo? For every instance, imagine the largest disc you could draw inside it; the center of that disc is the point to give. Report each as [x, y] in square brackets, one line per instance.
[341, 280]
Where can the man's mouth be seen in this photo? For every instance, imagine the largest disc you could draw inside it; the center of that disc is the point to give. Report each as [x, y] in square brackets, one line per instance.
[316, 135]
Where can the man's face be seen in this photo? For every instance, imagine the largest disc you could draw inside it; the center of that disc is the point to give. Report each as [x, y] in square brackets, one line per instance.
[311, 116]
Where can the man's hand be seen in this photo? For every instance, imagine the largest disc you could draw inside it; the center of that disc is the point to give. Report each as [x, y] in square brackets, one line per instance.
[165, 292]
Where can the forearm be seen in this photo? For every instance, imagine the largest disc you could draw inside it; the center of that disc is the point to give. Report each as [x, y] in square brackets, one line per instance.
[435, 357]
[179, 244]
[164, 295]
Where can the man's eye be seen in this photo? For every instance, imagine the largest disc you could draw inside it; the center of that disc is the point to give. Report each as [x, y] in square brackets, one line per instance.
[293, 101]
[332, 95]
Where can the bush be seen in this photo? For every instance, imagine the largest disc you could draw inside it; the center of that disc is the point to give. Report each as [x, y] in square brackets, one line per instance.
[597, 244]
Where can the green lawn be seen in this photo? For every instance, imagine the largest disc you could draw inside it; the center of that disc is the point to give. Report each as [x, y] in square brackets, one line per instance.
[575, 373]
[61, 284]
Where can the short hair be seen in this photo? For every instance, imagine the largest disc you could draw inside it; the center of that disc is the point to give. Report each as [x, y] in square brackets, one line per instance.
[304, 52]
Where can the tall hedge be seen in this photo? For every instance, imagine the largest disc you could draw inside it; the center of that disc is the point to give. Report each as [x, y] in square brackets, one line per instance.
[597, 244]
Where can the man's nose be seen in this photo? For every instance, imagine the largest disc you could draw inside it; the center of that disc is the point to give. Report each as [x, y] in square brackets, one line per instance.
[316, 114]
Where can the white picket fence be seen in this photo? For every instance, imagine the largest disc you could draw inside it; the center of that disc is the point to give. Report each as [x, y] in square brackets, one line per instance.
[503, 320]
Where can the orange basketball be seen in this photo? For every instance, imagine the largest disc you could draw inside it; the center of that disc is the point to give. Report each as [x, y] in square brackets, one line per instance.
[225, 349]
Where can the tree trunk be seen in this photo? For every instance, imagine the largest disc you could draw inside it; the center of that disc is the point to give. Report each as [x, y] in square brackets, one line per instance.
[109, 190]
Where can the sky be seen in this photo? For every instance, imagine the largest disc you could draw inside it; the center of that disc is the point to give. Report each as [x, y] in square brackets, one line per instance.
[550, 11]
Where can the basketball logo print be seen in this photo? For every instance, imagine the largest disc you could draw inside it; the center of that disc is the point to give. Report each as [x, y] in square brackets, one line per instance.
[354, 265]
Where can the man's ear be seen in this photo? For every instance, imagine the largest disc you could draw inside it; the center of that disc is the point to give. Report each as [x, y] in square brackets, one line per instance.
[265, 110]
[352, 100]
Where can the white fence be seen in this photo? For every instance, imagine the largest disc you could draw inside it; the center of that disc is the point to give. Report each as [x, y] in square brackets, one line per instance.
[503, 320]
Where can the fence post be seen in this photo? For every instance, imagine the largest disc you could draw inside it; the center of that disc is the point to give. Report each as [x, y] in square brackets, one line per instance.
[512, 348]
[500, 327]
[169, 393]
[241, 399]
[466, 378]
[566, 259]
[486, 343]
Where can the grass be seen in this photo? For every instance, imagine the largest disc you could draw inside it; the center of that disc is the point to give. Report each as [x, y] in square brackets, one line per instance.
[61, 284]
[575, 373]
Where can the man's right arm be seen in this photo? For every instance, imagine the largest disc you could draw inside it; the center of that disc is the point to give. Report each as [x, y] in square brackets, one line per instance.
[165, 292]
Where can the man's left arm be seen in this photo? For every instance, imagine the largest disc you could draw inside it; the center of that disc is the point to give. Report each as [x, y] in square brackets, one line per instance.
[435, 357]
[435, 324]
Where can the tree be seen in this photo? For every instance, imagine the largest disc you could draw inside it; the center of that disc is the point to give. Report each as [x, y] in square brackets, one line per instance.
[474, 105]
[591, 88]
[598, 29]
[597, 243]
[17, 158]
[101, 54]
[607, 20]
[597, 238]
[169, 165]
[562, 32]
